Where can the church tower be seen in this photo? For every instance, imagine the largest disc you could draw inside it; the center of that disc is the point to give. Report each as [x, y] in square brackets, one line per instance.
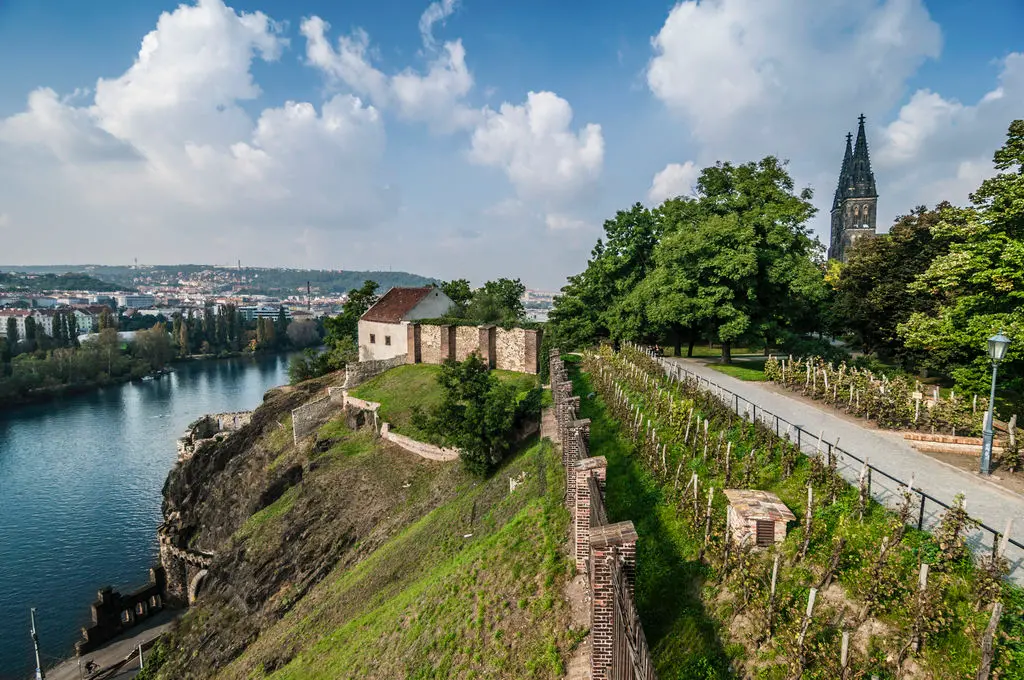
[855, 205]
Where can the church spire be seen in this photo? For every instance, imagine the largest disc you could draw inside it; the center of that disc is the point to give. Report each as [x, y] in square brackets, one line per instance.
[844, 172]
[862, 180]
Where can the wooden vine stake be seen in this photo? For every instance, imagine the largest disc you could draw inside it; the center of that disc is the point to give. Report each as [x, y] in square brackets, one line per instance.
[987, 642]
[865, 493]
[707, 525]
[844, 656]
[803, 629]
[807, 528]
[771, 595]
[922, 594]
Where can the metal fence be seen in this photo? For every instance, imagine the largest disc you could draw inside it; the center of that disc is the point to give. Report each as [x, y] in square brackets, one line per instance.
[882, 486]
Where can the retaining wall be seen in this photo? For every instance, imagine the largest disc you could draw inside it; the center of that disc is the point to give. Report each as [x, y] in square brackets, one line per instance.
[361, 371]
[308, 417]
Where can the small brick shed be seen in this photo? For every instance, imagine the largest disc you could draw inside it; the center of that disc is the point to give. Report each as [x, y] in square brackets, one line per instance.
[757, 516]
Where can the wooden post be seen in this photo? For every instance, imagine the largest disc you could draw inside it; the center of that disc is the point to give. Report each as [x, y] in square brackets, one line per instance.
[707, 525]
[863, 487]
[771, 595]
[805, 625]
[844, 655]
[807, 529]
[922, 587]
[987, 651]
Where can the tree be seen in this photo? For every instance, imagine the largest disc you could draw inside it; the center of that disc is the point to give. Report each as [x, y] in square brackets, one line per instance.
[303, 333]
[281, 325]
[12, 332]
[154, 346]
[476, 415]
[5, 358]
[184, 335]
[459, 291]
[978, 286]
[107, 319]
[346, 324]
[30, 333]
[499, 301]
[594, 303]
[871, 290]
[72, 325]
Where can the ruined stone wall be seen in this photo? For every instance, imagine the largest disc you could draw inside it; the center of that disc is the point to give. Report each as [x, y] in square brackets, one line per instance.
[210, 429]
[360, 372]
[515, 349]
[307, 418]
[428, 451]
[114, 613]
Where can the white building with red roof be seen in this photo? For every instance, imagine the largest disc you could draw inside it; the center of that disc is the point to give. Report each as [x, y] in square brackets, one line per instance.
[383, 332]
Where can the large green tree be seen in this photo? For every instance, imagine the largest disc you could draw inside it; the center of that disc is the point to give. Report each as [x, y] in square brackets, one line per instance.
[978, 286]
[459, 291]
[871, 295]
[499, 301]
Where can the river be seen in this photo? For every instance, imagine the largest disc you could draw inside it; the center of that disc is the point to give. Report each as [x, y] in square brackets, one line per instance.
[80, 483]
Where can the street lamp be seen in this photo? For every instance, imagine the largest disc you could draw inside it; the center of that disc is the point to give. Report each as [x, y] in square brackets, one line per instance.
[997, 346]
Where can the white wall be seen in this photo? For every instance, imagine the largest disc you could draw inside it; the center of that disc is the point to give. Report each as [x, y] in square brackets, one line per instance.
[368, 351]
[435, 304]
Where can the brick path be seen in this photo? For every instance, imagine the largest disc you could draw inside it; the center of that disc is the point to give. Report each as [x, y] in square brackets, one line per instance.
[887, 451]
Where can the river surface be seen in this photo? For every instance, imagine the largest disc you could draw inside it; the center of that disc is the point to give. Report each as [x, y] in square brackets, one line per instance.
[80, 494]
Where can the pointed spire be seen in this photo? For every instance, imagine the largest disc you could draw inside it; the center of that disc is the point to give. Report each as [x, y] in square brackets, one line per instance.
[862, 183]
[844, 172]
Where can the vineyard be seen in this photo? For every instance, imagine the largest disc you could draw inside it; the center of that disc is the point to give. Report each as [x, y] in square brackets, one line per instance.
[851, 592]
[896, 404]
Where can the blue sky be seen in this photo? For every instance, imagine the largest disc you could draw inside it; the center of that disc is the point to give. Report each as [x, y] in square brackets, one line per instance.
[453, 169]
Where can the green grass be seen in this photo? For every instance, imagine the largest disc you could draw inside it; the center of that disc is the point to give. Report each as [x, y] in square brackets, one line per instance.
[404, 387]
[744, 369]
[688, 613]
[473, 589]
[702, 350]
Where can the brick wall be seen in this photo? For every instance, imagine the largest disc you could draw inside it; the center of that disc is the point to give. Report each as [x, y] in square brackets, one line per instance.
[605, 553]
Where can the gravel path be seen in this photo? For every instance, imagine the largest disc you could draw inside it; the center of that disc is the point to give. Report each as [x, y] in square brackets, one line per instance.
[886, 451]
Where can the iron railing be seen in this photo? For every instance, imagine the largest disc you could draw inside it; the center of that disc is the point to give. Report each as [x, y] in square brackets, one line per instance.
[886, 490]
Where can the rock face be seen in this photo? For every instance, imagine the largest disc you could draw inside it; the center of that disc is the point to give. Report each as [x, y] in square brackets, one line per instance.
[253, 521]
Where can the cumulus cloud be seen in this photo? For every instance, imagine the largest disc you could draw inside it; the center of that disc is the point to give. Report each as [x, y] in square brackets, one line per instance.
[756, 77]
[674, 180]
[167, 147]
[435, 12]
[535, 146]
[435, 97]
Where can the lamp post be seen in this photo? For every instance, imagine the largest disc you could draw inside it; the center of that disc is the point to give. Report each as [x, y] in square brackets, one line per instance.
[997, 346]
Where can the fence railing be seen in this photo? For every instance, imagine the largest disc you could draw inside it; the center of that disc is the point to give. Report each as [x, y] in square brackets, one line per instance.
[884, 487]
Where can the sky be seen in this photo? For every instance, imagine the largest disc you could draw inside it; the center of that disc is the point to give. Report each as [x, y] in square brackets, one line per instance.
[466, 138]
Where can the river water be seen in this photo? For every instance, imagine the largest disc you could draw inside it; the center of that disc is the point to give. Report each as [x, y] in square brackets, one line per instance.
[80, 483]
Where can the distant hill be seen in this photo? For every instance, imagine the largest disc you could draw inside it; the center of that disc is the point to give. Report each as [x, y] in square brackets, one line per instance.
[254, 280]
[29, 282]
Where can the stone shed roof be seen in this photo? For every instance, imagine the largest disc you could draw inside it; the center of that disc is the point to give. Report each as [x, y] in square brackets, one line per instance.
[754, 504]
[395, 304]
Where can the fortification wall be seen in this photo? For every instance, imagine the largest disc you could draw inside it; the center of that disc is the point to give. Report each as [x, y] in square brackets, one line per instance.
[114, 613]
[467, 341]
[360, 372]
[422, 449]
[209, 429]
[514, 349]
[308, 417]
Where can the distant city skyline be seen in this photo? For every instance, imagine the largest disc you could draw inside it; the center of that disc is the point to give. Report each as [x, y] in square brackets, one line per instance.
[463, 139]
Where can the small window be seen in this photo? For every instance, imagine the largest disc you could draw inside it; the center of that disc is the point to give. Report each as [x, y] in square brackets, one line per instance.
[373, 338]
[387, 339]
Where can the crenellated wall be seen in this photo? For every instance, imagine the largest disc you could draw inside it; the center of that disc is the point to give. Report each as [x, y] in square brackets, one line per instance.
[114, 613]
[605, 553]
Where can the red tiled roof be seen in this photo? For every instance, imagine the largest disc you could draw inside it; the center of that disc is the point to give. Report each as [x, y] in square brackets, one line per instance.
[395, 304]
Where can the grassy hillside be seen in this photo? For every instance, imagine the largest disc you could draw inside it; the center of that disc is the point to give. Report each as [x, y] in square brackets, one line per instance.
[379, 564]
[404, 387]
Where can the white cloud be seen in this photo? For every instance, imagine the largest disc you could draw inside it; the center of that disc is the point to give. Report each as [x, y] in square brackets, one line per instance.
[563, 222]
[167, 152]
[435, 97]
[435, 12]
[778, 74]
[940, 148]
[674, 180]
[536, 148]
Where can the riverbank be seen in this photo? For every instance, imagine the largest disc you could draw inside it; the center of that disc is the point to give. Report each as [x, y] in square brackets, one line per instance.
[51, 393]
[80, 493]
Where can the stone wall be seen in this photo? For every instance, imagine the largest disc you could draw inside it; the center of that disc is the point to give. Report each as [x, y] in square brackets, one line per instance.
[308, 417]
[430, 344]
[467, 341]
[422, 449]
[210, 429]
[114, 613]
[515, 349]
[360, 372]
[605, 553]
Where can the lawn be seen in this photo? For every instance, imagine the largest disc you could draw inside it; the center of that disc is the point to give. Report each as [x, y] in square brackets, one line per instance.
[744, 369]
[401, 389]
[702, 350]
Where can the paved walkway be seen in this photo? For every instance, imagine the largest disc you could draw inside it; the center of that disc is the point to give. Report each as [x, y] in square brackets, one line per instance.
[115, 651]
[887, 451]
